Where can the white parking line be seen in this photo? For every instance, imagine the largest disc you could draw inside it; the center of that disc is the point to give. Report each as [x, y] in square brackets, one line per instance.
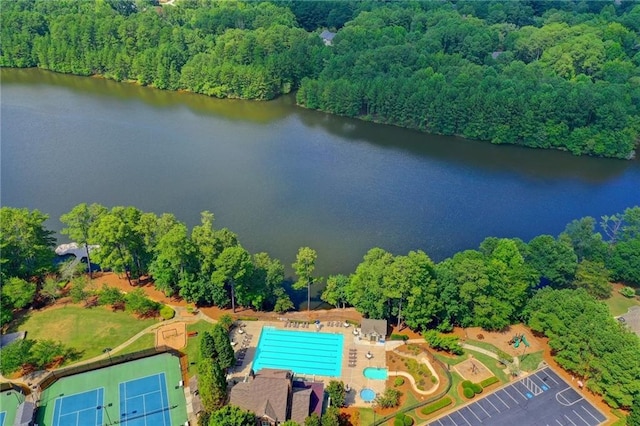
[518, 390]
[498, 396]
[586, 422]
[468, 408]
[559, 422]
[565, 416]
[487, 399]
[452, 421]
[440, 422]
[551, 377]
[485, 411]
[509, 395]
[589, 413]
[464, 418]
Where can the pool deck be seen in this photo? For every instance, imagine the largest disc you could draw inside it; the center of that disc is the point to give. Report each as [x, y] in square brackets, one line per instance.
[353, 349]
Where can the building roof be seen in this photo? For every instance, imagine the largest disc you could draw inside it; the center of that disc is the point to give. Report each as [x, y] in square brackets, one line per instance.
[9, 338]
[327, 35]
[300, 402]
[266, 395]
[370, 326]
[24, 415]
[317, 395]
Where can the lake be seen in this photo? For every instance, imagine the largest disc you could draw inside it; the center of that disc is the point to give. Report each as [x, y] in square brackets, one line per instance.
[282, 177]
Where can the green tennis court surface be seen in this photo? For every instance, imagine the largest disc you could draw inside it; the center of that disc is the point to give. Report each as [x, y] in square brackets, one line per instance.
[144, 402]
[79, 409]
[144, 392]
[9, 401]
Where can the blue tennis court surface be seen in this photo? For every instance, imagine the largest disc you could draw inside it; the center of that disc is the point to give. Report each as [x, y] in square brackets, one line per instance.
[539, 399]
[304, 352]
[2, 416]
[79, 409]
[144, 402]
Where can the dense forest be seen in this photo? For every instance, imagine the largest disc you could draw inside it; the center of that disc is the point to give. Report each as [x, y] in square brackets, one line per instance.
[552, 283]
[544, 74]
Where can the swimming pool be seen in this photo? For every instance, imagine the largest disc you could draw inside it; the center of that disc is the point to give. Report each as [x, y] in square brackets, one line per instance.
[375, 373]
[304, 352]
[367, 395]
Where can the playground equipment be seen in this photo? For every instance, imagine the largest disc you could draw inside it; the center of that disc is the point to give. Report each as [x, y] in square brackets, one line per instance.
[517, 339]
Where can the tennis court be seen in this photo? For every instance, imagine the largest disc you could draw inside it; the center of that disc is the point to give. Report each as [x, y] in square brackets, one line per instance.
[3, 414]
[144, 392]
[144, 402]
[79, 409]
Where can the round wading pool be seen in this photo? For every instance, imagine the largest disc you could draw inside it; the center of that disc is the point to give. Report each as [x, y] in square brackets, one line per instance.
[367, 395]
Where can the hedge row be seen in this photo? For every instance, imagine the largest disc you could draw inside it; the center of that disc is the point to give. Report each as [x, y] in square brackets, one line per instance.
[432, 408]
[395, 336]
[488, 382]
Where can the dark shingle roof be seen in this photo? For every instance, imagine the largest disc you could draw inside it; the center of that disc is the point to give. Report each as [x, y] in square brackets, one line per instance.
[369, 326]
[266, 395]
[300, 402]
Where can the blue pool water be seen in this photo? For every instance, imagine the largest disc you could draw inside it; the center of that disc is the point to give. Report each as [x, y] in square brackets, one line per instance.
[304, 352]
[367, 395]
[375, 373]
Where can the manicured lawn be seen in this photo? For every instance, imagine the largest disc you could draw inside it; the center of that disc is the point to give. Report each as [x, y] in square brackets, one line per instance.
[86, 330]
[193, 343]
[145, 341]
[451, 360]
[529, 362]
[618, 304]
[483, 345]
[453, 392]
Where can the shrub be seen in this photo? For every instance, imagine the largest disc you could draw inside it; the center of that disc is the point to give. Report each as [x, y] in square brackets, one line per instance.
[627, 292]
[489, 381]
[402, 420]
[138, 302]
[399, 381]
[336, 392]
[468, 393]
[443, 342]
[438, 405]
[402, 337]
[390, 398]
[226, 321]
[467, 384]
[476, 388]
[248, 319]
[166, 312]
[110, 295]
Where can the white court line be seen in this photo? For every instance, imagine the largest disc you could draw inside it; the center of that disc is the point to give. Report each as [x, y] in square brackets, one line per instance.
[97, 411]
[162, 398]
[565, 416]
[498, 396]
[487, 399]
[509, 395]
[473, 413]
[589, 413]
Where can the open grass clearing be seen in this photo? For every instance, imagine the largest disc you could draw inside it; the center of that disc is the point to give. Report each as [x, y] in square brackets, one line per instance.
[618, 304]
[89, 331]
[450, 360]
[530, 362]
[193, 344]
[483, 345]
[146, 341]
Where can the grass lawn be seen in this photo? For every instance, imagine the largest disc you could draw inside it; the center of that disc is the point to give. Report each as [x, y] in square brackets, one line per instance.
[483, 345]
[451, 360]
[145, 341]
[193, 343]
[618, 304]
[453, 392]
[86, 330]
[491, 364]
[529, 362]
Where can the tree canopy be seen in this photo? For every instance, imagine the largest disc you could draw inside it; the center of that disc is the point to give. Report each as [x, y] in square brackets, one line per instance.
[559, 75]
